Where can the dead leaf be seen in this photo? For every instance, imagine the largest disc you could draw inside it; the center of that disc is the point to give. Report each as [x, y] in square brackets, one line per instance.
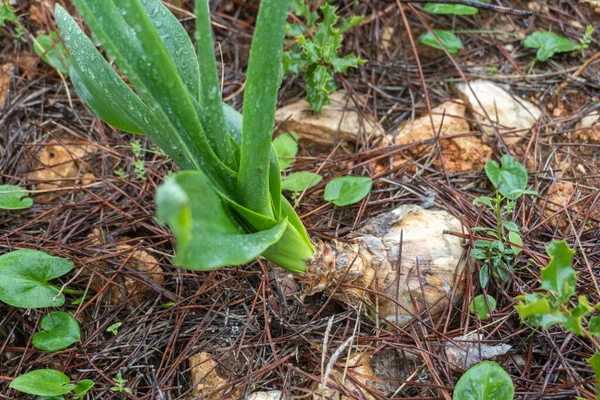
[40, 12]
[206, 380]
[6, 73]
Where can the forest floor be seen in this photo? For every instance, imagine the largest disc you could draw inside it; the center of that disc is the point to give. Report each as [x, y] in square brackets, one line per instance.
[259, 335]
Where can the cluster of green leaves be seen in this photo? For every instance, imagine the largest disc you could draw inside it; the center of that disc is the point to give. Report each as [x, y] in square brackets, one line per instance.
[139, 164]
[7, 14]
[120, 383]
[52, 51]
[497, 254]
[226, 207]
[484, 381]
[555, 304]
[549, 43]
[316, 51]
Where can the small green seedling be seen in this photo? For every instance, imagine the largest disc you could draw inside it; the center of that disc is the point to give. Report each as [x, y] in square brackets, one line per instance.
[7, 14]
[555, 304]
[14, 198]
[347, 190]
[317, 53]
[586, 39]
[484, 381]
[496, 255]
[52, 51]
[286, 147]
[59, 331]
[226, 207]
[549, 43]
[440, 39]
[450, 9]
[114, 328]
[483, 306]
[24, 276]
[120, 384]
[300, 181]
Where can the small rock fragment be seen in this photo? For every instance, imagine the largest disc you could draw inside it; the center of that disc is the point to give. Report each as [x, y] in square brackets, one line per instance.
[465, 351]
[206, 381]
[558, 197]
[505, 111]
[588, 128]
[270, 395]
[461, 153]
[340, 120]
[58, 165]
[6, 72]
[359, 369]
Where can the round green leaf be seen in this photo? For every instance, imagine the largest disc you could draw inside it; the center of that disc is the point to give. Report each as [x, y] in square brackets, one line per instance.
[450, 9]
[286, 146]
[299, 181]
[347, 190]
[516, 239]
[59, 331]
[478, 306]
[507, 178]
[24, 276]
[43, 382]
[548, 44]
[14, 198]
[484, 381]
[450, 41]
[82, 388]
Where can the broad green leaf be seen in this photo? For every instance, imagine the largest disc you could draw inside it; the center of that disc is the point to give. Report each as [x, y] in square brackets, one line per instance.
[317, 87]
[52, 51]
[484, 381]
[484, 276]
[515, 239]
[340, 65]
[7, 13]
[82, 387]
[559, 276]
[531, 305]
[24, 276]
[484, 200]
[594, 325]
[213, 119]
[286, 147]
[510, 226]
[594, 362]
[14, 198]
[206, 236]
[573, 322]
[300, 181]
[480, 307]
[347, 190]
[449, 9]
[508, 177]
[448, 39]
[43, 382]
[548, 44]
[59, 331]
[260, 100]
[294, 62]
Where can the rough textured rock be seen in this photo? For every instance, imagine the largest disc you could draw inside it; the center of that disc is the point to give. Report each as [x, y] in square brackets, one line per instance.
[431, 265]
[461, 153]
[271, 395]
[339, 121]
[6, 72]
[206, 381]
[507, 112]
[558, 196]
[58, 165]
[124, 287]
[588, 128]
[465, 351]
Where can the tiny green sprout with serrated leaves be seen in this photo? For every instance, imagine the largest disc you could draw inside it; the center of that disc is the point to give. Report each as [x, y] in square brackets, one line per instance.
[497, 254]
[316, 53]
[120, 383]
[226, 207]
[7, 14]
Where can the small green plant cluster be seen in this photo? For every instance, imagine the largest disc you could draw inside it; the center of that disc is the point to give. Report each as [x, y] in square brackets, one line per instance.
[555, 304]
[316, 51]
[497, 253]
[139, 164]
[7, 14]
[549, 43]
[120, 383]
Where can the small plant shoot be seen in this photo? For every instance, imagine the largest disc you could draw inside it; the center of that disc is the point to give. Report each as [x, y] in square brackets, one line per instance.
[347, 190]
[548, 44]
[14, 198]
[120, 383]
[484, 381]
[227, 207]
[440, 39]
[59, 331]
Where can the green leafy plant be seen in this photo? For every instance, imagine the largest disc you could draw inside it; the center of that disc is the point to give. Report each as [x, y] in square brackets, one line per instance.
[114, 328]
[7, 14]
[52, 51]
[482, 306]
[555, 304]
[316, 52]
[439, 39]
[43, 382]
[450, 9]
[300, 181]
[484, 381]
[497, 254]
[81, 388]
[59, 331]
[549, 43]
[14, 198]
[346, 190]
[120, 384]
[286, 146]
[226, 208]
[24, 276]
